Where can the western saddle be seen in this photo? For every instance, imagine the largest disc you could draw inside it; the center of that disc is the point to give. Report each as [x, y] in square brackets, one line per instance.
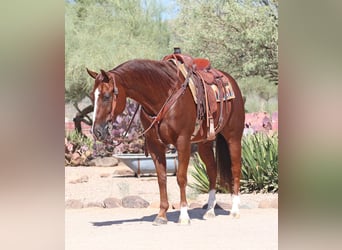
[208, 86]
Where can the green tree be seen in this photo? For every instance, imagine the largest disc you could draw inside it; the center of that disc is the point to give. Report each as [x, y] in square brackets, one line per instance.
[105, 33]
[240, 37]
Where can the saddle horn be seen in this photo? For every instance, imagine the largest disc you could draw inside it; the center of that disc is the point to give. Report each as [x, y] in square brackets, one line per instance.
[177, 50]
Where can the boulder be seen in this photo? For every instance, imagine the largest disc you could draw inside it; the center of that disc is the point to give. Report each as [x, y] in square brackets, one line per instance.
[82, 179]
[112, 202]
[94, 204]
[268, 203]
[104, 162]
[73, 204]
[134, 201]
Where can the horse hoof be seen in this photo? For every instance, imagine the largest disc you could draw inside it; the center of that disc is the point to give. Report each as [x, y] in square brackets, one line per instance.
[158, 221]
[184, 222]
[209, 214]
[236, 215]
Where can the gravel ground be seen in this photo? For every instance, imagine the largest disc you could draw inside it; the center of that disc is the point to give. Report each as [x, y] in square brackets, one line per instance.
[94, 184]
[97, 228]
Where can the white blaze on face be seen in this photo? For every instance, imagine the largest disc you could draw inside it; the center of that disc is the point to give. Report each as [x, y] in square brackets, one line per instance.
[96, 97]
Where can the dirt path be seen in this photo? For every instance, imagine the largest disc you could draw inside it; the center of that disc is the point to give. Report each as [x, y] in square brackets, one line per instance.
[131, 228]
[120, 228]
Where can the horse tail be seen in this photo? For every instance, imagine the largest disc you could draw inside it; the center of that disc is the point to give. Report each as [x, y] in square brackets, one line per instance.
[223, 162]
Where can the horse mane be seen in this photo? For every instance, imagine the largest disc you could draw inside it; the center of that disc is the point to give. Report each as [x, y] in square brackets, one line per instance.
[161, 72]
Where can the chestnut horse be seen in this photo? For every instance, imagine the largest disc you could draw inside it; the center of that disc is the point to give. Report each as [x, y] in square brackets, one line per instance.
[153, 84]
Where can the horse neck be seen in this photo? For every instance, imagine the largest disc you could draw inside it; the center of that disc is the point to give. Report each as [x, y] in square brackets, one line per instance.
[150, 86]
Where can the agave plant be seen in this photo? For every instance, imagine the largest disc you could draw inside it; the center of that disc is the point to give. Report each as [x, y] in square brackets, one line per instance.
[199, 173]
[260, 163]
[259, 166]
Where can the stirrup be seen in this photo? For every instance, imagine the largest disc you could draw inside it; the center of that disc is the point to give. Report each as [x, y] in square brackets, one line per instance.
[211, 132]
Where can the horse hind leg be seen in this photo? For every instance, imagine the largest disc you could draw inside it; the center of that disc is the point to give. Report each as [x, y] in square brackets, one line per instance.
[206, 153]
[235, 154]
[228, 153]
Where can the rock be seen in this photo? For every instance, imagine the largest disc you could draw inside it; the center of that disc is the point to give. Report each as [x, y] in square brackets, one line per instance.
[75, 156]
[73, 204]
[266, 203]
[112, 202]
[104, 175]
[90, 163]
[124, 172]
[134, 201]
[88, 153]
[104, 162]
[94, 204]
[82, 179]
[75, 159]
[274, 203]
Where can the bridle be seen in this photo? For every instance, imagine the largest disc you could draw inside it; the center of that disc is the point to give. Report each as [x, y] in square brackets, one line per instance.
[115, 97]
[156, 119]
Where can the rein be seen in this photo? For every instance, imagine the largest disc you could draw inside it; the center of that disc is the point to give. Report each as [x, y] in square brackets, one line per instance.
[167, 105]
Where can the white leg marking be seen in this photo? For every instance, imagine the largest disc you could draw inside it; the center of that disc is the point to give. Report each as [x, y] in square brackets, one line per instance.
[184, 218]
[235, 205]
[96, 95]
[212, 199]
[210, 213]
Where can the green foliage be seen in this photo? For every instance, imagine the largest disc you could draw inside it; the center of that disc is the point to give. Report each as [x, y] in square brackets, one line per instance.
[260, 163]
[200, 175]
[256, 104]
[240, 37]
[77, 149]
[79, 140]
[103, 34]
[260, 94]
[259, 166]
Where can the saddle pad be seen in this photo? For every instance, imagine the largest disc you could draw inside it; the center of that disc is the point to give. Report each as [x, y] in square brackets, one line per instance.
[229, 91]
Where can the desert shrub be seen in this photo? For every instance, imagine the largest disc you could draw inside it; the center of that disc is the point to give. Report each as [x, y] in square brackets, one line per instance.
[78, 139]
[259, 163]
[78, 148]
[259, 171]
[199, 173]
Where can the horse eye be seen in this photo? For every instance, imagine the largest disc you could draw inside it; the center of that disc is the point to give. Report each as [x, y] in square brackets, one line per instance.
[106, 97]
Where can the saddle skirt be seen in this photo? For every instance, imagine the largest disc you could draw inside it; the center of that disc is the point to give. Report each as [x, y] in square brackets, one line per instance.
[208, 86]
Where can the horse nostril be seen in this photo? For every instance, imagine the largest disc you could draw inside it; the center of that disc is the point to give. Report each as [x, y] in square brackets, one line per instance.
[98, 133]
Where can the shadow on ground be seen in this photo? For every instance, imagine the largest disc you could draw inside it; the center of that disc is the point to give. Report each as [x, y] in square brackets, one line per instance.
[196, 213]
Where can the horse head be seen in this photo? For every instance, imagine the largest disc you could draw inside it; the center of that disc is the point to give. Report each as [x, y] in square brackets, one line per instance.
[109, 100]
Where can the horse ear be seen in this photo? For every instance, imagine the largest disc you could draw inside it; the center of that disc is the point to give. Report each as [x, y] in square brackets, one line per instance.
[92, 73]
[105, 76]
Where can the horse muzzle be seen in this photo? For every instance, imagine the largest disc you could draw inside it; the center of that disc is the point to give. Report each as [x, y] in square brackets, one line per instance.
[101, 132]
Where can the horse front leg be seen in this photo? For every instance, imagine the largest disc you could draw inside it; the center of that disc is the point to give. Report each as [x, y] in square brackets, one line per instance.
[183, 163]
[159, 160]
